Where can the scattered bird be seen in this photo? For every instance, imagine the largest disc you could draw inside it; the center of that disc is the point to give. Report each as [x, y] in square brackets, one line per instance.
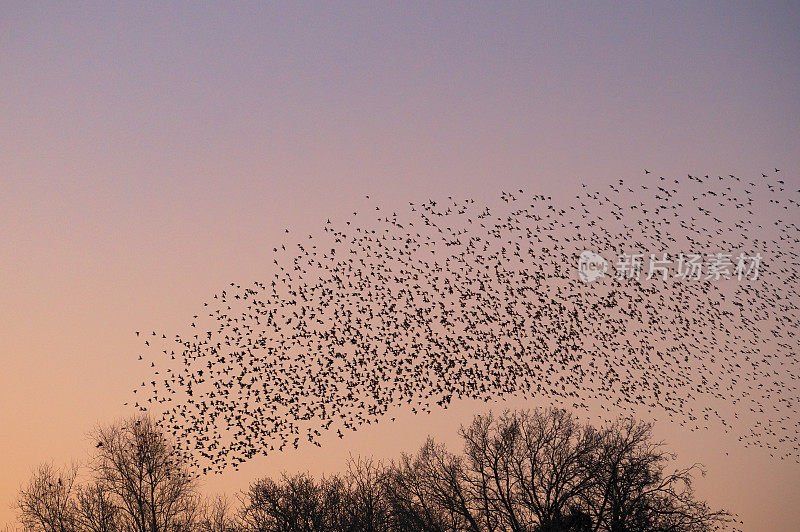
[458, 299]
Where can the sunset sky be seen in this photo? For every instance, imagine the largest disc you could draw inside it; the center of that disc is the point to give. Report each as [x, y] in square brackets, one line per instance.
[152, 153]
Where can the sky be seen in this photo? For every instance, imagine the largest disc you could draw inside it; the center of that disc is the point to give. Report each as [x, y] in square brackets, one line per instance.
[152, 153]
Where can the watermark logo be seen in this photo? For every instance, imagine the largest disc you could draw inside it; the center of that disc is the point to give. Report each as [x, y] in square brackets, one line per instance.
[684, 266]
[591, 266]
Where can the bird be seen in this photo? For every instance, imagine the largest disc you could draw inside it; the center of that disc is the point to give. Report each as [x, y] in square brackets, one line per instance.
[468, 299]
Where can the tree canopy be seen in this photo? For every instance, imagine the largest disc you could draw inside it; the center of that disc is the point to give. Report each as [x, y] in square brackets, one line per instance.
[521, 471]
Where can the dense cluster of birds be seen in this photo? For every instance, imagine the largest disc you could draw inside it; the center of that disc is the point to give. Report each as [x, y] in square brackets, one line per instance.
[456, 299]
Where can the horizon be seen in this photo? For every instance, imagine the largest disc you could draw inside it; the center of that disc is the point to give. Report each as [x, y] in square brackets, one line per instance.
[155, 154]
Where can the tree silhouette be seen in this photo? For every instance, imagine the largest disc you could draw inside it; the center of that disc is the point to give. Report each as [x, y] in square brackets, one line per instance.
[522, 471]
[96, 510]
[139, 469]
[544, 471]
[352, 502]
[138, 483]
[46, 502]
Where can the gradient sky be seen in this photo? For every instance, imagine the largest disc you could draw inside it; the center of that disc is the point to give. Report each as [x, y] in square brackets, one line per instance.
[151, 153]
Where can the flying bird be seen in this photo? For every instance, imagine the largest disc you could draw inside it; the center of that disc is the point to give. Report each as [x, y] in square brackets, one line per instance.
[460, 299]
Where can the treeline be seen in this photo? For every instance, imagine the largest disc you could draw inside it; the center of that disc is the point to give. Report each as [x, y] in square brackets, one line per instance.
[531, 471]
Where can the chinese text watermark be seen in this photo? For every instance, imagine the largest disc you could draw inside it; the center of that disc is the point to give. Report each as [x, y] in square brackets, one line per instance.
[685, 266]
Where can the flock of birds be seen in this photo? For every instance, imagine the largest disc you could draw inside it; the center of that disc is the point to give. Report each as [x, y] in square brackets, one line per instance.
[455, 299]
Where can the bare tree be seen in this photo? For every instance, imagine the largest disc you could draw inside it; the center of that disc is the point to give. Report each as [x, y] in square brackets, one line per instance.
[429, 492]
[352, 502]
[141, 473]
[297, 504]
[634, 491]
[46, 503]
[546, 472]
[137, 482]
[362, 489]
[217, 516]
[528, 468]
[523, 471]
[96, 510]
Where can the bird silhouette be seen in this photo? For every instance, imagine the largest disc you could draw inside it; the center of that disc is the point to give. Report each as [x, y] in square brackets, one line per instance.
[458, 299]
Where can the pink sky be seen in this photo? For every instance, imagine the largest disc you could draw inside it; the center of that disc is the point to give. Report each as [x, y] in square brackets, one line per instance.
[151, 154]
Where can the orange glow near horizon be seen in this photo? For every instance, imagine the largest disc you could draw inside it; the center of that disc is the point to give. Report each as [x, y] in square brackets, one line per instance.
[150, 155]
